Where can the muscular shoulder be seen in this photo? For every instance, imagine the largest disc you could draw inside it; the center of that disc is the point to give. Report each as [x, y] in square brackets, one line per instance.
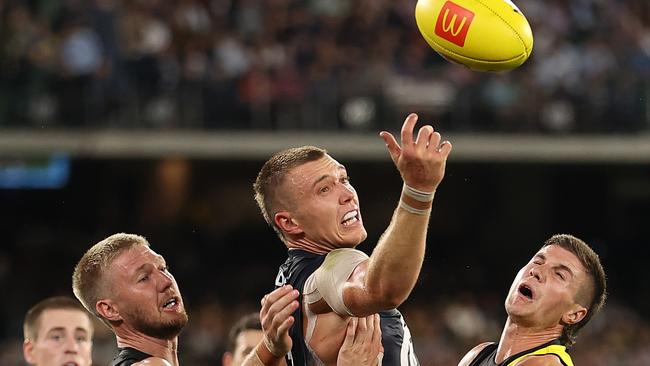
[540, 360]
[153, 361]
[342, 257]
[471, 355]
[323, 290]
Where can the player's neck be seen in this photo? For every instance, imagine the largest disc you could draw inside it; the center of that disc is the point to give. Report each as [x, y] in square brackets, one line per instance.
[307, 245]
[163, 348]
[517, 338]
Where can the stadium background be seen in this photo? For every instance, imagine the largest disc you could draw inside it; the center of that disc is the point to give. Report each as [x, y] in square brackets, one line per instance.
[154, 116]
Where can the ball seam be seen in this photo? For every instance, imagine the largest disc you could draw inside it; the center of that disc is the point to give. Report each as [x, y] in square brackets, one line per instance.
[472, 58]
[508, 24]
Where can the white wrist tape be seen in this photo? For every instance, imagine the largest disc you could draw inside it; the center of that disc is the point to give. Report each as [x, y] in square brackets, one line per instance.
[417, 194]
[413, 210]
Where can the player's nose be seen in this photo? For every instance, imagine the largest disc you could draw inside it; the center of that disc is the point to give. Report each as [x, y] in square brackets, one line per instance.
[536, 273]
[71, 345]
[346, 196]
[165, 281]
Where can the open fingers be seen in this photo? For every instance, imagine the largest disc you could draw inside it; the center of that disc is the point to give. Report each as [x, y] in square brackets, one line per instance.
[351, 331]
[272, 298]
[282, 303]
[376, 334]
[283, 328]
[434, 141]
[445, 148]
[391, 144]
[424, 135]
[407, 129]
[276, 294]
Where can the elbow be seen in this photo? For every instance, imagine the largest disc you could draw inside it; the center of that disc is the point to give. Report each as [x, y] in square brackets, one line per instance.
[389, 300]
[392, 302]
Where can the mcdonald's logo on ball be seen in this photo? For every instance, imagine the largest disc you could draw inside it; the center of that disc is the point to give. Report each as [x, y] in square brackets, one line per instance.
[453, 23]
[484, 35]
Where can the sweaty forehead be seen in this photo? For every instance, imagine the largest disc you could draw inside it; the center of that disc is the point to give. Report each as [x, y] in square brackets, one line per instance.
[305, 175]
[131, 259]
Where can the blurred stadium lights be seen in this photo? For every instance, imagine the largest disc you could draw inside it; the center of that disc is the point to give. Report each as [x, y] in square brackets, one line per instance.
[347, 146]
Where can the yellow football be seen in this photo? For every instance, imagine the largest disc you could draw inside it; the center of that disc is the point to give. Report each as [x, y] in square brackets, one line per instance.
[484, 35]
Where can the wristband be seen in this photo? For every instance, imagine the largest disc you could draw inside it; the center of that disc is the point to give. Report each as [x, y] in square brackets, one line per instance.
[413, 210]
[417, 194]
[265, 356]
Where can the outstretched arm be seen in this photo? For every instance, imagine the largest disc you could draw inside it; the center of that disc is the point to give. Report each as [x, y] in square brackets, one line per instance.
[387, 278]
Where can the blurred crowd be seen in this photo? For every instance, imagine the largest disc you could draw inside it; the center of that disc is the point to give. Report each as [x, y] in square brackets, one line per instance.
[443, 331]
[312, 64]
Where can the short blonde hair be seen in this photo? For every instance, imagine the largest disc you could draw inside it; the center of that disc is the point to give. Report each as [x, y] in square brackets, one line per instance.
[88, 282]
[272, 175]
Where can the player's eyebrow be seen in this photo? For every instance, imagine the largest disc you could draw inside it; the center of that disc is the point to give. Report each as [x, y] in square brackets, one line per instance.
[56, 329]
[560, 266]
[325, 176]
[563, 267]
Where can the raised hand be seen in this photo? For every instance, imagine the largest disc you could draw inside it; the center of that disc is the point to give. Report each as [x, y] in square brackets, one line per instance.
[276, 319]
[420, 161]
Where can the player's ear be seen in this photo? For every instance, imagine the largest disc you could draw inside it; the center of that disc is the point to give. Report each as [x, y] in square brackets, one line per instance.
[108, 310]
[287, 223]
[28, 349]
[226, 359]
[574, 315]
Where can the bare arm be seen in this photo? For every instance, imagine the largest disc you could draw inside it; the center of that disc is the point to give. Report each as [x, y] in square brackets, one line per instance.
[387, 278]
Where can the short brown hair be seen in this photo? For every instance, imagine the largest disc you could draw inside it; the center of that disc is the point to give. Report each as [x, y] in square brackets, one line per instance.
[273, 173]
[87, 279]
[591, 294]
[247, 322]
[33, 317]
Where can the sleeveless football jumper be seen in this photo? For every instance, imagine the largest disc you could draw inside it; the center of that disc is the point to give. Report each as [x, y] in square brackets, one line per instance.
[396, 337]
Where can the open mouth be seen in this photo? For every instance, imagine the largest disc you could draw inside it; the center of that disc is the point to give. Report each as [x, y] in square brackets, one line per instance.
[70, 363]
[526, 291]
[169, 304]
[350, 218]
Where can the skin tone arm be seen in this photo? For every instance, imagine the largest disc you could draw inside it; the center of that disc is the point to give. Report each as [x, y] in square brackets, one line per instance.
[361, 347]
[387, 278]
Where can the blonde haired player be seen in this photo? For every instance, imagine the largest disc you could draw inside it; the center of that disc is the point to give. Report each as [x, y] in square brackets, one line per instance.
[306, 196]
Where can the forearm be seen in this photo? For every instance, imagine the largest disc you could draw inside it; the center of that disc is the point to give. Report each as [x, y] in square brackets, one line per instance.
[388, 277]
[395, 264]
[261, 356]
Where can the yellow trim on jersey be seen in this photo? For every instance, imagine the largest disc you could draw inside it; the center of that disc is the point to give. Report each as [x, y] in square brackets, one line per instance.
[554, 349]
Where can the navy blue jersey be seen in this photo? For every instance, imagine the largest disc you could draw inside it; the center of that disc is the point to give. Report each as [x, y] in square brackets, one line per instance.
[128, 356]
[396, 338]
